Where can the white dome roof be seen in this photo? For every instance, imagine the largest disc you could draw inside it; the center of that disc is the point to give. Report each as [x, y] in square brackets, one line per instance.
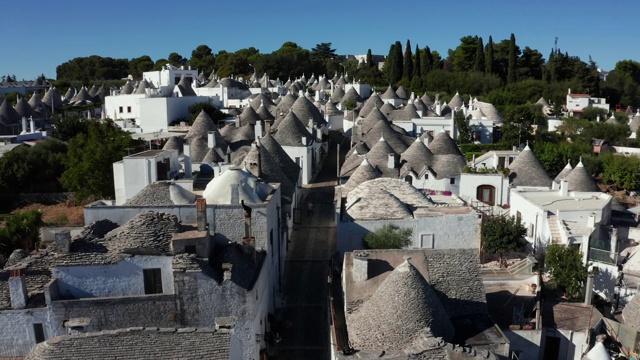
[250, 188]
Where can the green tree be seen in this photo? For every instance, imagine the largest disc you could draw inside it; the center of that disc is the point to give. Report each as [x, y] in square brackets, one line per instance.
[465, 54]
[66, 127]
[370, 63]
[462, 126]
[416, 80]
[33, 168]
[139, 65]
[566, 268]
[623, 170]
[407, 68]
[21, 231]
[390, 236]
[554, 155]
[176, 59]
[90, 159]
[502, 234]
[490, 57]
[480, 61]
[513, 56]
[214, 113]
[518, 125]
[393, 64]
[203, 59]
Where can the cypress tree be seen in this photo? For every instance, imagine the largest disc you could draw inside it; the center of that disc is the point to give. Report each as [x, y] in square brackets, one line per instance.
[511, 74]
[416, 81]
[479, 65]
[489, 58]
[389, 63]
[396, 74]
[370, 63]
[427, 61]
[407, 69]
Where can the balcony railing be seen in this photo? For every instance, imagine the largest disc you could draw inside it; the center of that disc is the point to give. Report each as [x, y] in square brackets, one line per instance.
[603, 256]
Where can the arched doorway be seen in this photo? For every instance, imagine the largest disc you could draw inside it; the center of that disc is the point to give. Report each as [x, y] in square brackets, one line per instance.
[486, 194]
[409, 179]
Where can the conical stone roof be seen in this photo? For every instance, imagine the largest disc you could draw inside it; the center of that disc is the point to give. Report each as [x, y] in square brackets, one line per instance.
[337, 95]
[563, 174]
[262, 100]
[93, 91]
[426, 100]
[291, 131]
[52, 96]
[363, 173]
[387, 109]
[631, 313]
[404, 308]
[372, 102]
[264, 114]
[70, 94]
[40, 109]
[389, 94]
[526, 170]
[199, 148]
[8, 115]
[456, 102]
[270, 171]
[396, 140]
[331, 109]
[174, 143]
[305, 110]
[402, 93]
[127, 88]
[142, 87]
[285, 104]
[378, 157]
[612, 120]
[580, 180]
[185, 87]
[417, 156]
[249, 116]
[352, 95]
[201, 126]
[289, 167]
[443, 144]
[23, 108]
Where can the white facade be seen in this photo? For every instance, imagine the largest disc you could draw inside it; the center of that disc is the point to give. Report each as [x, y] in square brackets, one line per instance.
[492, 189]
[134, 172]
[576, 103]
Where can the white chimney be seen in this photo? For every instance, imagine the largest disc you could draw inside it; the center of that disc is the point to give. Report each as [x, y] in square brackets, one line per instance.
[258, 129]
[24, 125]
[614, 240]
[391, 163]
[591, 221]
[311, 125]
[211, 139]
[304, 140]
[360, 269]
[186, 150]
[18, 289]
[564, 187]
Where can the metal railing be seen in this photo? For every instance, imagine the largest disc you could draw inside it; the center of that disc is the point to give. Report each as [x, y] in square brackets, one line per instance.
[603, 256]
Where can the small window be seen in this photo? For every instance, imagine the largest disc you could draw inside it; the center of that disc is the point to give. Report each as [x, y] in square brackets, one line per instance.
[152, 281]
[426, 241]
[129, 109]
[190, 249]
[452, 181]
[120, 109]
[38, 331]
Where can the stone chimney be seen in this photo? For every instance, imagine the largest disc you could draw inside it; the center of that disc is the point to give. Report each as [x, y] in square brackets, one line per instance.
[391, 163]
[63, 241]
[18, 289]
[211, 139]
[360, 269]
[201, 214]
[564, 187]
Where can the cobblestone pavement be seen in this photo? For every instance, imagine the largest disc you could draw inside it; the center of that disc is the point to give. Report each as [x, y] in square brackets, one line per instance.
[313, 242]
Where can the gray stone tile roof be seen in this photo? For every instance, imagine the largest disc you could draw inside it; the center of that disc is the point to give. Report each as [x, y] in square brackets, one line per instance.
[408, 112]
[52, 96]
[612, 120]
[443, 144]
[232, 134]
[137, 343]
[142, 87]
[265, 114]
[156, 194]
[285, 104]
[404, 308]
[387, 109]
[213, 156]
[212, 83]
[174, 143]
[288, 166]
[341, 81]
[526, 170]
[454, 285]
[565, 171]
[40, 109]
[82, 97]
[148, 233]
[127, 88]
[456, 102]
[185, 87]
[580, 180]
[331, 109]
[372, 102]
[291, 130]
[201, 126]
[337, 95]
[417, 157]
[232, 83]
[248, 116]
[373, 117]
[305, 110]
[199, 148]
[263, 100]
[489, 111]
[426, 100]
[378, 156]
[351, 163]
[70, 94]
[353, 95]
[402, 93]
[270, 170]
[364, 172]
[23, 108]
[385, 198]
[8, 115]
[398, 142]
[542, 102]
[389, 94]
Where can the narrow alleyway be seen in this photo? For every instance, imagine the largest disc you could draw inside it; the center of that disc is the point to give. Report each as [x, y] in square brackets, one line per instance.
[313, 242]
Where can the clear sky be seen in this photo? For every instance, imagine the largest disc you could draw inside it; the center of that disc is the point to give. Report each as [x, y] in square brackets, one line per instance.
[39, 35]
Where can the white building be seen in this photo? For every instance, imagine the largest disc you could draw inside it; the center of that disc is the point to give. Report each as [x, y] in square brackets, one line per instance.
[576, 103]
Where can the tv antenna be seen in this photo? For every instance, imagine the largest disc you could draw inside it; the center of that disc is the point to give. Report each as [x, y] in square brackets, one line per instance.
[555, 45]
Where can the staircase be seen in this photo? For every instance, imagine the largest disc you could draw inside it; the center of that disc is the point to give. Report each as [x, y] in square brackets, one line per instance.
[554, 227]
[523, 266]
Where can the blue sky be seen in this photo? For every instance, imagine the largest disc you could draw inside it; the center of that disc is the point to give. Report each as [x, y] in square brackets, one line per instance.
[39, 35]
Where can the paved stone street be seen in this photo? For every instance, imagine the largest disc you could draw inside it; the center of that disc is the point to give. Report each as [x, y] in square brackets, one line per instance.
[313, 242]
